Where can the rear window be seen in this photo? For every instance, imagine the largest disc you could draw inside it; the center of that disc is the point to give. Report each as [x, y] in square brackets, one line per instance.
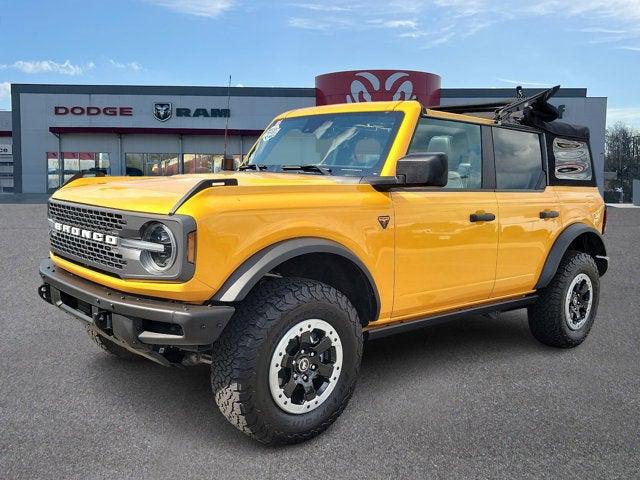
[518, 157]
[572, 159]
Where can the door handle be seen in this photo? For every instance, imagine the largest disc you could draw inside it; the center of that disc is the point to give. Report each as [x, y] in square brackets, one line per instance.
[549, 214]
[482, 217]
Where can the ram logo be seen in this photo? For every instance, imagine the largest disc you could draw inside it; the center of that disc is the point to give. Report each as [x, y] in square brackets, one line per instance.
[398, 85]
[86, 234]
[162, 111]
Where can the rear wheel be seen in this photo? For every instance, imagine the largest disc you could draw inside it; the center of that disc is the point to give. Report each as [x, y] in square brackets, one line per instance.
[565, 310]
[286, 365]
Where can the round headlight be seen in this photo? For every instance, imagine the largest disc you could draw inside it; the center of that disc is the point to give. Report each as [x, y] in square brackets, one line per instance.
[161, 260]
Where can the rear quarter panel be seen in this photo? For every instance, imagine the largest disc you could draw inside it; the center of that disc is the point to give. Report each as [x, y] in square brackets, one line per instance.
[580, 205]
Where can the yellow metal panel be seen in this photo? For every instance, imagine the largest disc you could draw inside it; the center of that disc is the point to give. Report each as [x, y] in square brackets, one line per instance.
[192, 291]
[525, 239]
[442, 258]
[581, 204]
[233, 224]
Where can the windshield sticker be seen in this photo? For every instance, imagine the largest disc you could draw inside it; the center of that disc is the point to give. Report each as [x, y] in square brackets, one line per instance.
[271, 132]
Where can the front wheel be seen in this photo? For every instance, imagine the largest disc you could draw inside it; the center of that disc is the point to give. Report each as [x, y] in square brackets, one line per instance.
[286, 365]
[112, 348]
[565, 310]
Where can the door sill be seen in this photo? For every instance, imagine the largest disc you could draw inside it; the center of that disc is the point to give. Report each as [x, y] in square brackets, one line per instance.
[421, 322]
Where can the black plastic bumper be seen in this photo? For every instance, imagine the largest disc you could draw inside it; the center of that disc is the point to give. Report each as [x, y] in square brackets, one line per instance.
[138, 323]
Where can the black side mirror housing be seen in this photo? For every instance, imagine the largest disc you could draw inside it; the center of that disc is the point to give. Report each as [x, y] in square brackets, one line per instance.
[415, 170]
[423, 170]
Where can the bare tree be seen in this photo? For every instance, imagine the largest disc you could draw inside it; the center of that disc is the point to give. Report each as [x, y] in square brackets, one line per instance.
[622, 155]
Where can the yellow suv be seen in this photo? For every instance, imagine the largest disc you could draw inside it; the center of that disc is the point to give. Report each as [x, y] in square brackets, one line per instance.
[345, 222]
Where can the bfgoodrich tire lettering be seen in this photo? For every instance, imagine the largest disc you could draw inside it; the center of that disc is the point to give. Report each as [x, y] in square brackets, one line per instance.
[551, 319]
[242, 358]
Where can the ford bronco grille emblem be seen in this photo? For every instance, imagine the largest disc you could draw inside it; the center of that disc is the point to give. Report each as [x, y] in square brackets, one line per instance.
[86, 234]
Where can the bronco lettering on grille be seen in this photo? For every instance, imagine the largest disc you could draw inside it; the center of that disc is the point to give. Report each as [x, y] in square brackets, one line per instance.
[88, 234]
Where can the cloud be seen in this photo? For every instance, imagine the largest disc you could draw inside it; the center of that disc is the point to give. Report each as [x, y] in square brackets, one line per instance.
[629, 47]
[5, 90]
[48, 66]
[133, 66]
[318, 7]
[411, 24]
[606, 21]
[524, 83]
[200, 8]
[319, 24]
[626, 115]
[628, 10]
[602, 30]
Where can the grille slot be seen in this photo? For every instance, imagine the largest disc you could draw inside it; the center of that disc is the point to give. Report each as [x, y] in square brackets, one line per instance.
[94, 252]
[91, 218]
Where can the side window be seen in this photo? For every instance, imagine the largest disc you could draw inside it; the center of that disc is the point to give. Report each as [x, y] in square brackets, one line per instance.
[460, 141]
[518, 157]
[572, 159]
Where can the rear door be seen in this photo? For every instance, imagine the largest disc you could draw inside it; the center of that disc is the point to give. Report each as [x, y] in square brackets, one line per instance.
[446, 238]
[529, 210]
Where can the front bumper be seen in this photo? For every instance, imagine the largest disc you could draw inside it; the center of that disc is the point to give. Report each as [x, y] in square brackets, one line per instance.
[138, 324]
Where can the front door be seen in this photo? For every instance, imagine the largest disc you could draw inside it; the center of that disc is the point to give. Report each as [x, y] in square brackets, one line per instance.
[446, 238]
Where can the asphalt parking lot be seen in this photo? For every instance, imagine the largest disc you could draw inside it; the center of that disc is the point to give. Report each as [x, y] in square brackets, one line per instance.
[478, 398]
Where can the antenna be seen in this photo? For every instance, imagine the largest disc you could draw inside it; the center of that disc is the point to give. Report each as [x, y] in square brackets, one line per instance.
[227, 163]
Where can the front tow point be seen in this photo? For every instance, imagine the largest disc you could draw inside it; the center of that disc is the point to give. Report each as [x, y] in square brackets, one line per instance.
[44, 292]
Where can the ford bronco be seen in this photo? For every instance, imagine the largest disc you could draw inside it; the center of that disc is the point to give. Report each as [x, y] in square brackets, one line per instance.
[344, 222]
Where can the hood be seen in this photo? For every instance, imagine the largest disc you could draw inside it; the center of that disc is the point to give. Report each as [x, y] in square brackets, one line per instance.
[160, 194]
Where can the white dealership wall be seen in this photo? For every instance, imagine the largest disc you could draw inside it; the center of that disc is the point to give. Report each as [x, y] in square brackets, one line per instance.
[36, 127]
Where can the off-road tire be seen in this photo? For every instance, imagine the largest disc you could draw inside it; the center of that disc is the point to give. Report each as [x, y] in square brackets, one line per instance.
[242, 356]
[547, 317]
[112, 348]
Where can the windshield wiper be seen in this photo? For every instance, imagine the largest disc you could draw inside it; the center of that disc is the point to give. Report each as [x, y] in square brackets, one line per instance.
[252, 166]
[309, 168]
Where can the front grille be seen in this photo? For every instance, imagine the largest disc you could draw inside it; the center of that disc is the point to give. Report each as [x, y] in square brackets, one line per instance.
[76, 248]
[94, 252]
[97, 220]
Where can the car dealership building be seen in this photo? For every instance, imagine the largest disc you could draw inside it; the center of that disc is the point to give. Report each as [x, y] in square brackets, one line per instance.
[56, 131]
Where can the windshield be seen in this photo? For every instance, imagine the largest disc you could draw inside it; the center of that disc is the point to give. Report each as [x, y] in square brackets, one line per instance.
[339, 144]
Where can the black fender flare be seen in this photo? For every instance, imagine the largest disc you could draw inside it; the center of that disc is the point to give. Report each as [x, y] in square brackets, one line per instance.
[560, 247]
[247, 275]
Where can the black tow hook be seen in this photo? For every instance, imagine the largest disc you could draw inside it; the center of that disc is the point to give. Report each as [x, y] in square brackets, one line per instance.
[102, 319]
[45, 292]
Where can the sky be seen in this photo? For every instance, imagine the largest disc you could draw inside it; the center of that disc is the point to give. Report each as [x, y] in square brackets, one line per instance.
[470, 43]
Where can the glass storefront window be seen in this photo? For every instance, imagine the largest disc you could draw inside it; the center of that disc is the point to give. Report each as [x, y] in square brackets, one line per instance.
[205, 162]
[72, 163]
[202, 162]
[151, 164]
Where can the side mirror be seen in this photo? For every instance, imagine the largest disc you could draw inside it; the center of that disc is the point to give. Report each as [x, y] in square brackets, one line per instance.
[414, 170]
[423, 170]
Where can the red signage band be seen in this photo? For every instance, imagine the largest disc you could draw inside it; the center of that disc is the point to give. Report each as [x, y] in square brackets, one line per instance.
[377, 85]
[93, 111]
